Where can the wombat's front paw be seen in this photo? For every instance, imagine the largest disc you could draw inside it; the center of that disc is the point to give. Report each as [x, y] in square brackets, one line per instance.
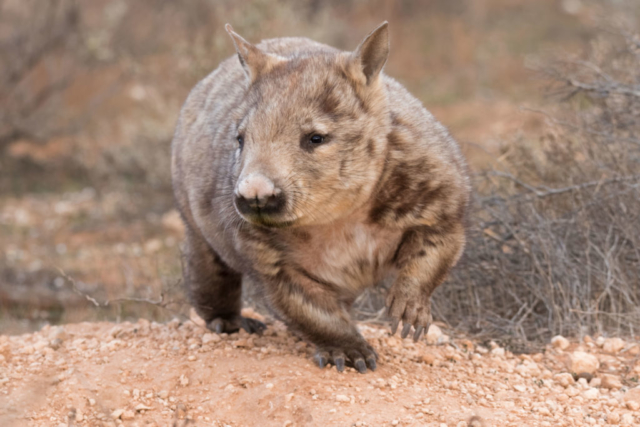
[412, 309]
[358, 354]
[233, 324]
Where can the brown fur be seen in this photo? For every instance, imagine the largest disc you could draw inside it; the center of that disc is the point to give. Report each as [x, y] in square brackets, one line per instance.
[384, 194]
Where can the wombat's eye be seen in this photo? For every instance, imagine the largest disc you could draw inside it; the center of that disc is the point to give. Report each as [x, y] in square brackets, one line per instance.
[240, 139]
[316, 139]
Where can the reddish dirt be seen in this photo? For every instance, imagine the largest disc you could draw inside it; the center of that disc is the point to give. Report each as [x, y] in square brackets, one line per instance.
[146, 374]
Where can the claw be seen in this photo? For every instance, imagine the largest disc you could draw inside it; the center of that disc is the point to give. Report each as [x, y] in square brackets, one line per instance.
[253, 325]
[394, 326]
[321, 360]
[339, 361]
[360, 366]
[416, 335]
[405, 330]
[371, 362]
[217, 326]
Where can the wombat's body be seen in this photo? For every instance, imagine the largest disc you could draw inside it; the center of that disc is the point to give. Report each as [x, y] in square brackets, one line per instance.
[315, 174]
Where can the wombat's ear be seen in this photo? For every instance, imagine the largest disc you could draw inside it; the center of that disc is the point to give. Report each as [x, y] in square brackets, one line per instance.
[253, 60]
[369, 58]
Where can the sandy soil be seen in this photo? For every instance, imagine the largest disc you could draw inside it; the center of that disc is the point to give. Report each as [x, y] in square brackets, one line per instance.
[151, 374]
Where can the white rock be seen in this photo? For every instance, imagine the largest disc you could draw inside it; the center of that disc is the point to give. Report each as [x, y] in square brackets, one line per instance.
[613, 418]
[115, 331]
[591, 394]
[529, 369]
[498, 352]
[128, 415]
[39, 345]
[428, 358]
[560, 342]
[612, 402]
[434, 335]
[342, 398]
[207, 338]
[613, 345]
[58, 332]
[633, 405]
[184, 381]
[581, 362]
[565, 379]
[56, 343]
[117, 413]
[572, 391]
[627, 420]
[632, 395]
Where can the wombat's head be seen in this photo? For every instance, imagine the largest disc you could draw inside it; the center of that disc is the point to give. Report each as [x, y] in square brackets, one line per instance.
[311, 130]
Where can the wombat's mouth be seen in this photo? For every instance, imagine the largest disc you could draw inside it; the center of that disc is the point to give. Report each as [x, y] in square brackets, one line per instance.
[267, 221]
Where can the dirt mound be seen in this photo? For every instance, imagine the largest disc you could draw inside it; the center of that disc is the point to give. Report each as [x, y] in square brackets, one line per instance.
[146, 374]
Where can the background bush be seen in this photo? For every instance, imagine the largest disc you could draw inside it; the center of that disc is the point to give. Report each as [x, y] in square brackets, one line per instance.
[555, 243]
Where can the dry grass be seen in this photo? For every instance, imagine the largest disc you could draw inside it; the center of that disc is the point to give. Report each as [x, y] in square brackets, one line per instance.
[555, 243]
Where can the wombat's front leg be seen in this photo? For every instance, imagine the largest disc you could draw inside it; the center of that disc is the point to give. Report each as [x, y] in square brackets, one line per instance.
[214, 289]
[317, 312]
[424, 259]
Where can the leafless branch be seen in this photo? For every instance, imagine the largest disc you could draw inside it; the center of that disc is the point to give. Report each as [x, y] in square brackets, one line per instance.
[160, 302]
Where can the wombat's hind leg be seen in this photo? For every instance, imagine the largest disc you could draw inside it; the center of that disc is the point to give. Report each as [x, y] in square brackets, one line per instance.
[214, 289]
[359, 354]
[220, 325]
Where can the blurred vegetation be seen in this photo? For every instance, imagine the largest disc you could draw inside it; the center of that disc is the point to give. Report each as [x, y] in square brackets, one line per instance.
[90, 93]
[555, 247]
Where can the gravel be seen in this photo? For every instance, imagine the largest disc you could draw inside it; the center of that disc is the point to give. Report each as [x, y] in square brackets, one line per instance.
[150, 374]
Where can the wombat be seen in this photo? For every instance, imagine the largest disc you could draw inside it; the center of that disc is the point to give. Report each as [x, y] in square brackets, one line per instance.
[309, 170]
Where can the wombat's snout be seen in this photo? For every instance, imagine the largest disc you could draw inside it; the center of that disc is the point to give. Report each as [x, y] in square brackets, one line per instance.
[257, 194]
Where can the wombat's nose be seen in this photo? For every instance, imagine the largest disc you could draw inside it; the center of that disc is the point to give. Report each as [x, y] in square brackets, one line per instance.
[256, 193]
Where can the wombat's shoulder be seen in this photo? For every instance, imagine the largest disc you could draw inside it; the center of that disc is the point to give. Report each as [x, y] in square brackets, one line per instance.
[415, 131]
